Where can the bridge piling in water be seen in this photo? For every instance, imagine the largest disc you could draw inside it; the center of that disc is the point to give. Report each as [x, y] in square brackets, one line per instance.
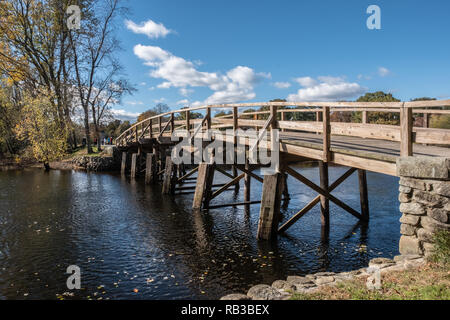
[359, 146]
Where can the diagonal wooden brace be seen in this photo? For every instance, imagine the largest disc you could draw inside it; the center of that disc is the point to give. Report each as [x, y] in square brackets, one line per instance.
[324, 193]
[315, 201]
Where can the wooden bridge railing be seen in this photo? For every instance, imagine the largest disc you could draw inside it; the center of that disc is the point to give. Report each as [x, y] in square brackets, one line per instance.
[406, 134]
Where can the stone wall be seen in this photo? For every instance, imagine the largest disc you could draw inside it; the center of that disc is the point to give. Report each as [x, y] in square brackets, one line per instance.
[424, 196]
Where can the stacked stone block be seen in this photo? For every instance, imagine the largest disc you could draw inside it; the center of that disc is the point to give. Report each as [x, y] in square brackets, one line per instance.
[424, 196]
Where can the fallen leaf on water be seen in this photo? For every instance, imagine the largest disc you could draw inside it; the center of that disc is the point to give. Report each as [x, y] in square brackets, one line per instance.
[135, 290]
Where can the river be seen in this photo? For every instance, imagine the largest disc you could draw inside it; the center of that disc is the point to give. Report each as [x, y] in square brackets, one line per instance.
[131, 242]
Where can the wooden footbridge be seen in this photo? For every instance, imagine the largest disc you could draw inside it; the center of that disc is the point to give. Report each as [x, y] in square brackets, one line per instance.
[360, 146]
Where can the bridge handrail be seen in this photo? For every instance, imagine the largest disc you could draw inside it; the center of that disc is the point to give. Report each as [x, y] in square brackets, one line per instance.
[394, 107]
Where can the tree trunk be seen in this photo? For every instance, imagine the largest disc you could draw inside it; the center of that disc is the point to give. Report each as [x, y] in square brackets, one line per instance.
[74, 139]
[99, 143]
[87, 131]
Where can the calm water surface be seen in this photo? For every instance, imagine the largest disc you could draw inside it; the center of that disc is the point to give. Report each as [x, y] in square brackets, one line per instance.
[126, 236]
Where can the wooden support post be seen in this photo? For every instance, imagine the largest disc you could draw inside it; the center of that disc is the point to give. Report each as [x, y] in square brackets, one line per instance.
[208, 185]
[150, 128]
[247, 180]
[324, 202]
[204, 170]
[269, 214]
[326, 134]
[273, 140]
[286, 196]
[168, 183]
[283, 119]
[172, 123]
[363, 194]
[318, 118]
[406, 124]
[188, 121]
[150, 168]
[235, 128]
[134, 157]
[208, 118]
[159, 124]
[123, 168]
[364, 117]
[426, 120]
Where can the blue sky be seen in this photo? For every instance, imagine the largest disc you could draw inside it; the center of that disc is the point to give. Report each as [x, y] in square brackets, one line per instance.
[201, 52]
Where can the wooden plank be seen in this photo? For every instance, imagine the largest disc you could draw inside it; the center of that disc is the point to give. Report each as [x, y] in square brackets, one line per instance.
[222, 171]
[168, 185]
[406, 124]
[269, 213]
[249, 172]
[150, 165]
[363, 194]
[432, 136]
[324, 202]
[364, 117]
[247, 180]
[133, 165]
[366, 164]
[187, 175]
[274, 136]
[226, 186]
[123, 167]
[326, 135]
[234, 204]
[318, 189]
[315, 201]
[200, 186]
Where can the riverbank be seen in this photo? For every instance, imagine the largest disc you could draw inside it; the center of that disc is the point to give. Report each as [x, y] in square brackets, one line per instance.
[429, 281]
[406, 277]
[410, 277]
[106, 160]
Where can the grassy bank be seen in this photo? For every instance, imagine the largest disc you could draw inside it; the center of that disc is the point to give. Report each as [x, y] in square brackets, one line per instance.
[428, 282]
[83, 152]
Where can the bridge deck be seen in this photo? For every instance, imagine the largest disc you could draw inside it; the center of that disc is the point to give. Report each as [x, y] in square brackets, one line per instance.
[370, 148]
[365, 153]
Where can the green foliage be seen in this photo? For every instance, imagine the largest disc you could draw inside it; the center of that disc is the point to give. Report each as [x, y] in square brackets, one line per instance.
[378, 117]
[441, 252]
[40, 127]
[158, 109]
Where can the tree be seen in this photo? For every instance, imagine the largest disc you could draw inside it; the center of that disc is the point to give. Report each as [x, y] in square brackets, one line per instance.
[93, 47]
[109, 93]
[158, 109]
[48, 140]
[378, 117]
[35, 49]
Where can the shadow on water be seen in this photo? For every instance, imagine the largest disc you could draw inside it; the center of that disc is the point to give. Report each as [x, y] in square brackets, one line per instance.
[131, 242]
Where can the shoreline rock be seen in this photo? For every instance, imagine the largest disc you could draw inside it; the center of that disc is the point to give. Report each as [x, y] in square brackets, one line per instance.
[284, 289]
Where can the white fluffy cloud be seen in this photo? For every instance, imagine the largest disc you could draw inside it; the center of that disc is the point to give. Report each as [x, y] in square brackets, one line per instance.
[325, 88]
[383, 72]
[281, 85]
[236, 85]
[305, 81]
[183, 102]
[150, 28]
[124, 115]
